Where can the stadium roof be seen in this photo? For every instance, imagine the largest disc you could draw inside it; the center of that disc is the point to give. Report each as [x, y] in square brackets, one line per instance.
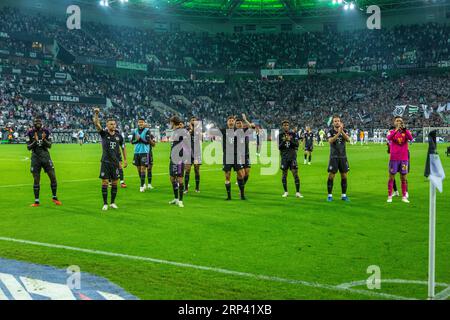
[263, 8]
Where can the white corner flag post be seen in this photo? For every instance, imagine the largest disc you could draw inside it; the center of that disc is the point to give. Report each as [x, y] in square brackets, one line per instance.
[436, 176]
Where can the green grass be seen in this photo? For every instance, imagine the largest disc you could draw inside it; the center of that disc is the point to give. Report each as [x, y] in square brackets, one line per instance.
[300, 239]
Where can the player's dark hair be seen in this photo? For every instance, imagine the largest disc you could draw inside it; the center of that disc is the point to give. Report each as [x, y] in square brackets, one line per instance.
[141, 119]
[398, 117]
[231, 117]
[285, 121]
[110, 119]
[194, 117]
[175, 120]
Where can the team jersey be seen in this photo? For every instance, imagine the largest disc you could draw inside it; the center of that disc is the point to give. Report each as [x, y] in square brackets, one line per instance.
[337, 148]
[143, 144]
[288, 148]
[111, 144]
[177, 142]
[308, 138]
[399, 144]
[40, 147]
[196, 138]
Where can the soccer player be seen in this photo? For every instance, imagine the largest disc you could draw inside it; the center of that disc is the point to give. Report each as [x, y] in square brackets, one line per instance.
[141, 142]
[122, 161]
[230, 150]
[150, 160]
[196, 159]
[308, 145]
[110, 163]
[394, 187]
[337, 137]
[81, 137]
[258, 140]
[245, 125]
[288, 146]
[399, 157]
[179, 141]
[38, 142]
[322, 137]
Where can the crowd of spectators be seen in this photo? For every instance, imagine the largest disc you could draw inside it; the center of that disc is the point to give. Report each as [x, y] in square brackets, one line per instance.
[418, 43]
[362, 101]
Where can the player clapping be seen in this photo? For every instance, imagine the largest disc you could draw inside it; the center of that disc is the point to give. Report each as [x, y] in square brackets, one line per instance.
[399, 157]
[38, 142]
[288, 146]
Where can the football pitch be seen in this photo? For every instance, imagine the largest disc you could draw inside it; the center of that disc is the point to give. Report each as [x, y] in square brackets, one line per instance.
[266, 247]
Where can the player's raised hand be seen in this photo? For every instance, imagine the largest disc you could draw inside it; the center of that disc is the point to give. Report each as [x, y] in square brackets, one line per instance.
[244, 117]
[96, 111]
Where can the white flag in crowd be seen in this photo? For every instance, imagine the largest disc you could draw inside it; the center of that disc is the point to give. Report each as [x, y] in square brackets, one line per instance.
[427, 111]
[399, 111]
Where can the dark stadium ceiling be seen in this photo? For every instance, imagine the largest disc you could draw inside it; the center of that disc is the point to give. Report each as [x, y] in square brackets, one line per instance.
[294, 9]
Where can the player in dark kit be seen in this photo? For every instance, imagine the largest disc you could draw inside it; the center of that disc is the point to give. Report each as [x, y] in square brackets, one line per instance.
[179, 146]
[231, 158]
[337, 137]
[196, 154]
[308, 145]
[245, 125]
[288, 146]
[150, 159]
[38, 142]
[110, 163]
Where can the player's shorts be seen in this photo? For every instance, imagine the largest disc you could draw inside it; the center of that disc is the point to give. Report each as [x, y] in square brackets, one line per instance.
[338, 164]
[287, 163]
[39, 163]
[398, 166]
[309, 148]
[140, 159]
[236, 167]
[109, 171]
[176, 170]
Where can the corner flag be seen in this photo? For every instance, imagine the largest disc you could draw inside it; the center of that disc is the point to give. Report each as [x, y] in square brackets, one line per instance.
[435, 173]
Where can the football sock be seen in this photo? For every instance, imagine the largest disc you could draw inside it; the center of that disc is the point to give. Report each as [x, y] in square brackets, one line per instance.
[284, 181]
[105, 194]
[113, 193]
[149, 177]
[391, 183]
[246, 179]
[175, 189]
[54, 187]
[197, 181]
[297, 183]
[395, 186]
[180, 191]
[330, 186]
[121, 174]
[228, 187]
[344, 186]
[142, 175]
[309, 159]
[404, 188]
[186, 180]
[241, 186]
[36, 189]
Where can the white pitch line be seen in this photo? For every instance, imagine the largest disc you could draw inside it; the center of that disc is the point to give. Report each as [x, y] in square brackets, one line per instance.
[211, 269]
[89, 179]
[443, 295]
